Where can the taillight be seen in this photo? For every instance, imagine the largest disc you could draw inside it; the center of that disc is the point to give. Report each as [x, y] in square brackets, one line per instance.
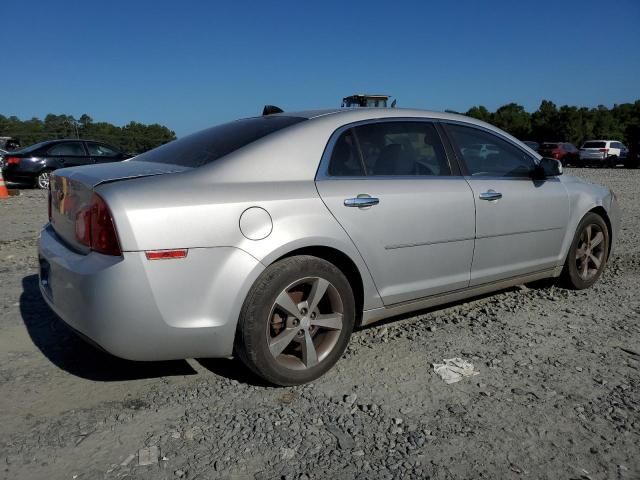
[12, 161]
[604, 150]
[556, 155]
[95, 229]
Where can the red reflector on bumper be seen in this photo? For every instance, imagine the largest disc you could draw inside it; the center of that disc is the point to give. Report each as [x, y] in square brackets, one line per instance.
[166, 254]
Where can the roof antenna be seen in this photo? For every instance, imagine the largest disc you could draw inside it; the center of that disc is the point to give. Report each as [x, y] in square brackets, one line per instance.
[271, 109]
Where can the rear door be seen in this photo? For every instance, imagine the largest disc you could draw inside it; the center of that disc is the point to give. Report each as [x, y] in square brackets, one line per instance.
[520, 223]
[102, 153]
[407, 209]
[69, 154]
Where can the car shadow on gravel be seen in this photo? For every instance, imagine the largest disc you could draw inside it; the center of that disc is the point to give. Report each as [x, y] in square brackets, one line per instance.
[233, 369]
[65, 349]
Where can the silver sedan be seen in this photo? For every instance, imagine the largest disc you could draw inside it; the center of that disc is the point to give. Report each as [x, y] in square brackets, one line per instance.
[271, 238]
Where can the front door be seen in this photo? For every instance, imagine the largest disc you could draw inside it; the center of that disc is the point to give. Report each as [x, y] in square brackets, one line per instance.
[520, 222]
[411, 216]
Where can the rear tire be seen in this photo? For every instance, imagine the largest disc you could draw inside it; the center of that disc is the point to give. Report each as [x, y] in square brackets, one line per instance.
[296, 321]
[588, 253]
[42, 180]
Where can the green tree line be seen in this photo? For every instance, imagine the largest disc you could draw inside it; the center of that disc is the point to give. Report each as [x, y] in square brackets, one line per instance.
[133, 137]
[567, 123]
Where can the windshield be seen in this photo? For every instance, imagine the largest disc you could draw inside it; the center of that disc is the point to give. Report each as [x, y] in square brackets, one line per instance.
[213, 143]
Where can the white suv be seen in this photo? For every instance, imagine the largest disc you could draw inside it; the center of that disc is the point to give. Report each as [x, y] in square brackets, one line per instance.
[602, 152]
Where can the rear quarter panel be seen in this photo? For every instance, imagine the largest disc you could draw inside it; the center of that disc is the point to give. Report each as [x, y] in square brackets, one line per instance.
[190, 210]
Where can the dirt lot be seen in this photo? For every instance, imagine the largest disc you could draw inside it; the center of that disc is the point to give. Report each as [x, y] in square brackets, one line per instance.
[557, 395]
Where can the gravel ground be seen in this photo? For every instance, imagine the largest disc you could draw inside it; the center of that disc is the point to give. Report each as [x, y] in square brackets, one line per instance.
[557, 395]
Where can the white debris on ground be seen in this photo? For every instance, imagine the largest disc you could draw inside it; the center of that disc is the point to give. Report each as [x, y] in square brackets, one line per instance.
[454, 369]
[148, 456]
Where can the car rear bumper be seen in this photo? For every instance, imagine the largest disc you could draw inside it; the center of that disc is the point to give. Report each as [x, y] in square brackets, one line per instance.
[17, 176]
[149, 310]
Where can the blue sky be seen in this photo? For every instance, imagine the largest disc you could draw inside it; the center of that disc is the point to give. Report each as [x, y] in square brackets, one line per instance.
[193, 64]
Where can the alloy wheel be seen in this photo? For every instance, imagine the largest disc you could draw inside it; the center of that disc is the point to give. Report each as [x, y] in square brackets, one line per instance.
[304, 323]
[590, 253]
[43, 180]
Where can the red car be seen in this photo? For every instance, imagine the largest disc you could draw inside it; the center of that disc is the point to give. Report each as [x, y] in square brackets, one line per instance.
[567, 153]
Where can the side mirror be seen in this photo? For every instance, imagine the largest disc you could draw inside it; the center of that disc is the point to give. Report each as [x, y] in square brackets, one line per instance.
[547, 167]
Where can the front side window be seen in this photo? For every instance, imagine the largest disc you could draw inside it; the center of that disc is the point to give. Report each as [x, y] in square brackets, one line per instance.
[485, 154]
[402, 148]
[98, 150]
[70, 149]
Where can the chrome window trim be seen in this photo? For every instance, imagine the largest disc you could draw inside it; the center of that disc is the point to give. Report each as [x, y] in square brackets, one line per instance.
[323, 168]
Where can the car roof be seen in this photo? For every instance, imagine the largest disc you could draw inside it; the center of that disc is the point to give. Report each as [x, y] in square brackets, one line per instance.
[349, 115]
[343, 116]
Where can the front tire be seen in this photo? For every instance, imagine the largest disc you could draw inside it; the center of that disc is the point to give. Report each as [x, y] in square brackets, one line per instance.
[296, 321]
[588, 253]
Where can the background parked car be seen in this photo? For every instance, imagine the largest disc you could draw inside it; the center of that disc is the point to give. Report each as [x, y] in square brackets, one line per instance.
[481, 149]
[633, 156]
[34, 163]
[532, 145]
[9, 143]
[3, 153]
[603, 152]
[567, 153]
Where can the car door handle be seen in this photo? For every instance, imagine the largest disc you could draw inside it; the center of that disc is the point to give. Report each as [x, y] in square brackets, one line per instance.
[361, 201]
[490, 195]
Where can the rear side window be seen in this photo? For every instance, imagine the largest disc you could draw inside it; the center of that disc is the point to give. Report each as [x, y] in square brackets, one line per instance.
[594, 145]
[401, 149]
[72, 149]
[213, 143]
[390, 149]
[98, 150]
[485, 154]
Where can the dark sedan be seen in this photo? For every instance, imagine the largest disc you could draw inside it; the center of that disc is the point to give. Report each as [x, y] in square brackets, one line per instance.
[34, 163]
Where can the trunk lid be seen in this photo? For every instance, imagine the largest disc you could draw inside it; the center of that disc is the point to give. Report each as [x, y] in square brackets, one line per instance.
[71, 191]
[94, 175]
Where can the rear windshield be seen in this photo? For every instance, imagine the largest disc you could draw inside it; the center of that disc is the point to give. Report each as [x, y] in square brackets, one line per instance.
[32, 148]
[213, 143]
[594, 144]
[549, 146]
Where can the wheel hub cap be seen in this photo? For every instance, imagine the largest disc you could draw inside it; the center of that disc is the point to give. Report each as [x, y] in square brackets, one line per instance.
[591, 251]
[305, 323]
